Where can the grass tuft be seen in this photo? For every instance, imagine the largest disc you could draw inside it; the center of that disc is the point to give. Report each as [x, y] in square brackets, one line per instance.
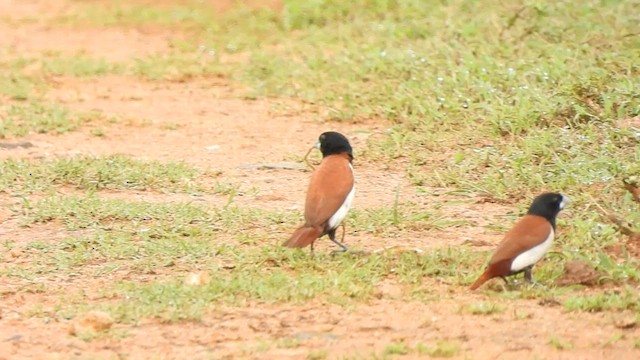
[627, 299]
[442, 349]
[79, 65]
[37, 117]
[95, 173]
[485, 308]
[560, 344]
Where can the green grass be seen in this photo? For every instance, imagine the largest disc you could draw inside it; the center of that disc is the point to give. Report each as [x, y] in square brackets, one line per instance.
[109, 237]
[78, 65]
[17, 86]
[269, 275]
[120, 13]
[495, 84]
[84, 212]
[396, 349]
[461, 76]
[239, 275]
[95, 173]
[614, 300]
[14, 83]
[176, 66]
[560, 344]
[247, 224]
[441, 349]
[38, 117]
[118, 236]
[400, 217]
[317, 355]
[288, 343]
[484, 308]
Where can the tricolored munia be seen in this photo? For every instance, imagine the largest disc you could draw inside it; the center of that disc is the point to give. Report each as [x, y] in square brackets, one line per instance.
[330, 192]
[527, 242]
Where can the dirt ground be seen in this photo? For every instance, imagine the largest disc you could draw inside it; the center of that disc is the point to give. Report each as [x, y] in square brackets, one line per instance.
[207, 123]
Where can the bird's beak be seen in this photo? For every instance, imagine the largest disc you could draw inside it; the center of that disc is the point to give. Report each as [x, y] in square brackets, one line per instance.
[317, 145]
[565, 201]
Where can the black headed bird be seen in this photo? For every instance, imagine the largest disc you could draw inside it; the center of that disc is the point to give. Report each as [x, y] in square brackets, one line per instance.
[527, 242]
[330, 192]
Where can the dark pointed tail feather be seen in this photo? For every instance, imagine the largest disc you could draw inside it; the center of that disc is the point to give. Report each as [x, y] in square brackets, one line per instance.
[486, 276]
[501, 268]
[303, 236]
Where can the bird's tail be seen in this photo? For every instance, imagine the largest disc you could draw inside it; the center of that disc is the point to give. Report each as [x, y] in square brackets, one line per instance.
[481, 280]
[303, 236]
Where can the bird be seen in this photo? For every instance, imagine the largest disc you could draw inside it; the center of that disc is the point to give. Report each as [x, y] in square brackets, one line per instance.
[330, 193]
[527, 242]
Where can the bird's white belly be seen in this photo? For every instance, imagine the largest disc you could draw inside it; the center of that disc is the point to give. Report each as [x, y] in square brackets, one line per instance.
[532, 255]
[336, 219]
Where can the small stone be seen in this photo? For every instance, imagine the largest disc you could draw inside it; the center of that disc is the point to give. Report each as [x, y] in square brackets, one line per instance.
[578, 272]
[197, 279]
[625, 321]
[92, 322]
[15, 253]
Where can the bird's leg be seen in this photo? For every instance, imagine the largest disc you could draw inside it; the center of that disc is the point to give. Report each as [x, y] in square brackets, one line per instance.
[332, 236]
[306, 160]
[528, 276]
[344, 231]
[506, 285]
[312, 254]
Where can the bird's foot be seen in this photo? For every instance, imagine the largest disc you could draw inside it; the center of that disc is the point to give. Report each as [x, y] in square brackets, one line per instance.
[536, 284]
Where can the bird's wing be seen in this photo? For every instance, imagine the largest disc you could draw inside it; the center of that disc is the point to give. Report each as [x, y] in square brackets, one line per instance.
[330, 184]
[528, 232]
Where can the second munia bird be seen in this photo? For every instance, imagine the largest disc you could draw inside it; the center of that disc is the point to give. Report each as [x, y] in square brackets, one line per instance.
[527, 242]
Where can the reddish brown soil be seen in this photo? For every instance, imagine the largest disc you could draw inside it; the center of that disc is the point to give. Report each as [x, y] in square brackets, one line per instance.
[206, 123]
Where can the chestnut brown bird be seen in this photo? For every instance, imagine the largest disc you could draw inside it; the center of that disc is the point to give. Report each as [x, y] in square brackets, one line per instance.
[330, 192]
[527, 242]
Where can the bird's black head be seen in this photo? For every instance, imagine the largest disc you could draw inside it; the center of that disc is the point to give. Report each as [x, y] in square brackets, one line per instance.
[332, 142]
[548, 205]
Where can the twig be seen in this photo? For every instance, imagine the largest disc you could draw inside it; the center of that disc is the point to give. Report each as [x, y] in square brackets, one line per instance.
[306, 160]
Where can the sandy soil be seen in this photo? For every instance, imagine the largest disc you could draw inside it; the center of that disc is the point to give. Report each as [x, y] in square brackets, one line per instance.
[206, 123]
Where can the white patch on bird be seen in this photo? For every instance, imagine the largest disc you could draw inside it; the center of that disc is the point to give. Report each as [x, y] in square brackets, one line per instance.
[317, 145]
[336, 219]
[532, 255]
[565, 201]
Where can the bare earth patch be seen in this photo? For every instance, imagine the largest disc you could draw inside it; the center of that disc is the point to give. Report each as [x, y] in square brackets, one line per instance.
[258, 330]
[31, 10]
[109, 44]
